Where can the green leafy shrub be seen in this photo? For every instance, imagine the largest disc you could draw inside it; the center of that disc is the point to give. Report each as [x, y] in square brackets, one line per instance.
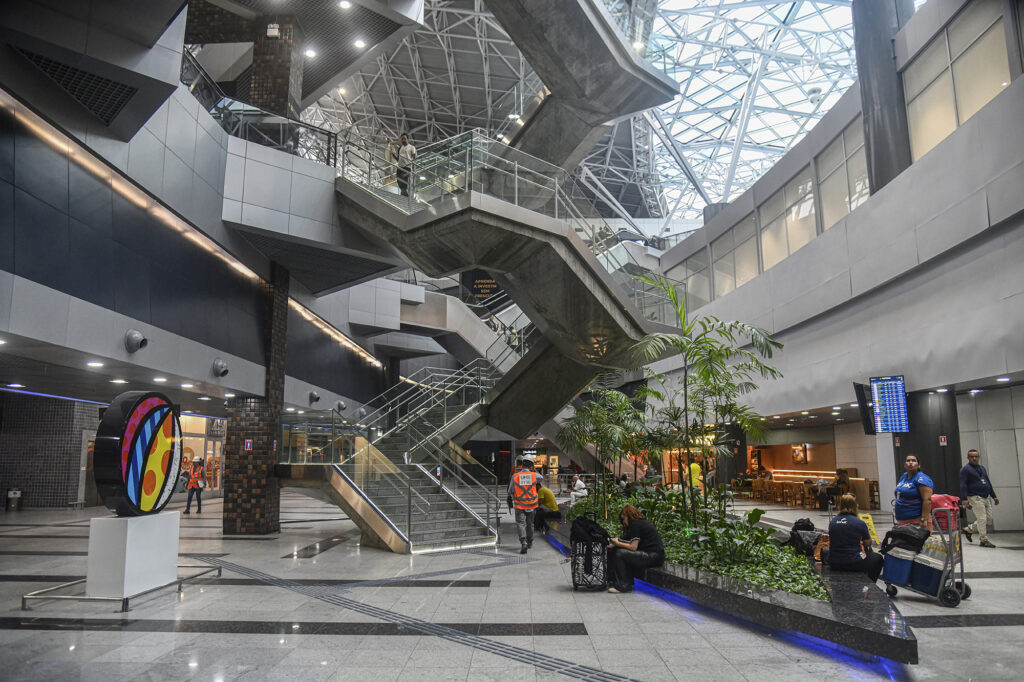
[720, 543]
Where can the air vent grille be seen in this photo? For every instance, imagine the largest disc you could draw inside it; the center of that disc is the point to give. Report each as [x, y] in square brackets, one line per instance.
[103, 97]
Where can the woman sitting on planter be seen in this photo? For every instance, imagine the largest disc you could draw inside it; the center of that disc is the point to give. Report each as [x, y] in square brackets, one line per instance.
[849, 542]
[639, 547]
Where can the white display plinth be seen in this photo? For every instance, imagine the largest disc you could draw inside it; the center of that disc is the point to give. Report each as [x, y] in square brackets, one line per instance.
[132, 554]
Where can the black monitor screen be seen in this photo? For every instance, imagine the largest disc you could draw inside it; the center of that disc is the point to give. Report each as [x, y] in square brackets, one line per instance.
[867, 416]
[889, 399]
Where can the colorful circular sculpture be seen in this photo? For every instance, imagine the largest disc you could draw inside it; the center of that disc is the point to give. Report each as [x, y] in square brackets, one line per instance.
[137, 454]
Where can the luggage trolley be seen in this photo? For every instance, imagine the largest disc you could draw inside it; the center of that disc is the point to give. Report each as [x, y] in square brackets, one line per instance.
[934, 577]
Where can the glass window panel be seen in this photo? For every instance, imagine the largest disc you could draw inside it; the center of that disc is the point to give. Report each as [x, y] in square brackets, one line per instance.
[800, 223]
[722, 245]
[772, 208]
[981, 72]
[773, 243]
[854, 135]
[799, 186]
[193, 424]
[925, 67]
[697, 262]
[698, 290]
[678, 273]
[745, 257]
[931, 116]
[725, 276]
[971, 23]
[831, 158]
[745, 229]
[834, 197]
[857, 170]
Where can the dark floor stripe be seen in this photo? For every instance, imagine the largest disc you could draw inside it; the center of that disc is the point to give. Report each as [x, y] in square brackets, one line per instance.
[86, 537]
[237, 582]
[517, 654]
[335, 518]
[28, 552]
[286, 628]
[321, 546]
[966, 620]
[978, 575]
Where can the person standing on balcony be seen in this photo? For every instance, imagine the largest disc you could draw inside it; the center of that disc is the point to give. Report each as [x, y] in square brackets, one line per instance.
[406, 154]
[523, 488]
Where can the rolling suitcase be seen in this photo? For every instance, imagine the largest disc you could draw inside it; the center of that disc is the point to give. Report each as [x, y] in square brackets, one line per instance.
[589, 555]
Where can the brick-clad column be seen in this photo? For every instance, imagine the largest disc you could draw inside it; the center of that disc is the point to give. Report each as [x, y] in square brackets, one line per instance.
[252, 497]
[277, 68]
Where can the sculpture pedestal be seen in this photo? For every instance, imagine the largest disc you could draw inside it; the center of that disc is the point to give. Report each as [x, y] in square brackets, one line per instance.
[132, 554]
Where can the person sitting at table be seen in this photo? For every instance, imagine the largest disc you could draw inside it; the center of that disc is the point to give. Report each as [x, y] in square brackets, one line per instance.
[765, 473]
[849, 542]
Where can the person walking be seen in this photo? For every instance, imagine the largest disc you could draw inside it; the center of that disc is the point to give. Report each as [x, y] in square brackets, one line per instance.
[523, 488]
[405, 156]
[913, 495]
[196, 483]
[978, 494]
[850, 542]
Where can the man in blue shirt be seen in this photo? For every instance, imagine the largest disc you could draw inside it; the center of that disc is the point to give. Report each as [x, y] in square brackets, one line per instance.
[977, 492]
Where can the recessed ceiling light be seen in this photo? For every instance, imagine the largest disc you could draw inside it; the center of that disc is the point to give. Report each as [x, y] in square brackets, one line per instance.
[345, 4]
[804, 412]
[229, 395]
[310, 53]
[1004, 379]
[835, 414]
[837, 407]
[341, 91]
[302, 412]
[941, 390]
[853, 404]
[289, 409]
[94, 363]
[204, 397]
[775, 416]
[360, 44]
[975, 390]
[159, 380]
[187, 385]
[513, 116]
[638, 45]
[2, 342]
[118, 381]
[15, 385]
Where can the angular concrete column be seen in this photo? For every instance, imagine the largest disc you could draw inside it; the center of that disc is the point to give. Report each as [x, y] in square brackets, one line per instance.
[252, 501]
[886, 134]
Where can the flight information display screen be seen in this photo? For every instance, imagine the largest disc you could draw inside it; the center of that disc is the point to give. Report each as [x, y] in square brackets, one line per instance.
[889, 403]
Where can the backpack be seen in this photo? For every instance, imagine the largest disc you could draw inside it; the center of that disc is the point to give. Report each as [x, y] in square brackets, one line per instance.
[804, 541]
[802, 524]
[910, 537]
[585, 528]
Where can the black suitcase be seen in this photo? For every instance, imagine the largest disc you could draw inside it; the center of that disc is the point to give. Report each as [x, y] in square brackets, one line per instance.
[589, 556]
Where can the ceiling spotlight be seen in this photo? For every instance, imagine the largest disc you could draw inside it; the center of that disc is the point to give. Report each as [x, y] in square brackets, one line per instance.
[360, 44]
[314, 397]
[341, 91]
[814, 94]
[310, 53]
[941, 390]
[15, 385]
[187, 385]
[118, 381]
[1003, 379]
[94, 363]
[339, 406]
[159, 380]
[135, 340]
[345, 4]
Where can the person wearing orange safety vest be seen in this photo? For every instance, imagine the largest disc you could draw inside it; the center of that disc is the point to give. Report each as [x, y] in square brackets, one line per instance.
[196, 483]
[523, 488]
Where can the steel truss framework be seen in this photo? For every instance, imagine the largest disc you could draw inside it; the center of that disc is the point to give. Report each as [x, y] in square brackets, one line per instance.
[754, 77]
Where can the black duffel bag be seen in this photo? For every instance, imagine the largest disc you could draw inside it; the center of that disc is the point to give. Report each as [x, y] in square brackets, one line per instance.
[910, 537]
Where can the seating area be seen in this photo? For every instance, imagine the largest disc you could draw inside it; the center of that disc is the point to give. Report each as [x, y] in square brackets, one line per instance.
[805, 495]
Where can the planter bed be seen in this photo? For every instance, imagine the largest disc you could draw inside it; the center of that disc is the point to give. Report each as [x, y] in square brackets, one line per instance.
[860, 616]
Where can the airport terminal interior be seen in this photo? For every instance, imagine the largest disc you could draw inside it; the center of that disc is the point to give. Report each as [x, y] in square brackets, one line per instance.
[511, 339]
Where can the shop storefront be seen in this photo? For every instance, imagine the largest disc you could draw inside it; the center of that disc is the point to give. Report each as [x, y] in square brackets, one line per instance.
[204, 437]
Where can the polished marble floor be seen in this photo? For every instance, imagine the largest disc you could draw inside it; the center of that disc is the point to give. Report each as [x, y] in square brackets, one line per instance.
[310, 604]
